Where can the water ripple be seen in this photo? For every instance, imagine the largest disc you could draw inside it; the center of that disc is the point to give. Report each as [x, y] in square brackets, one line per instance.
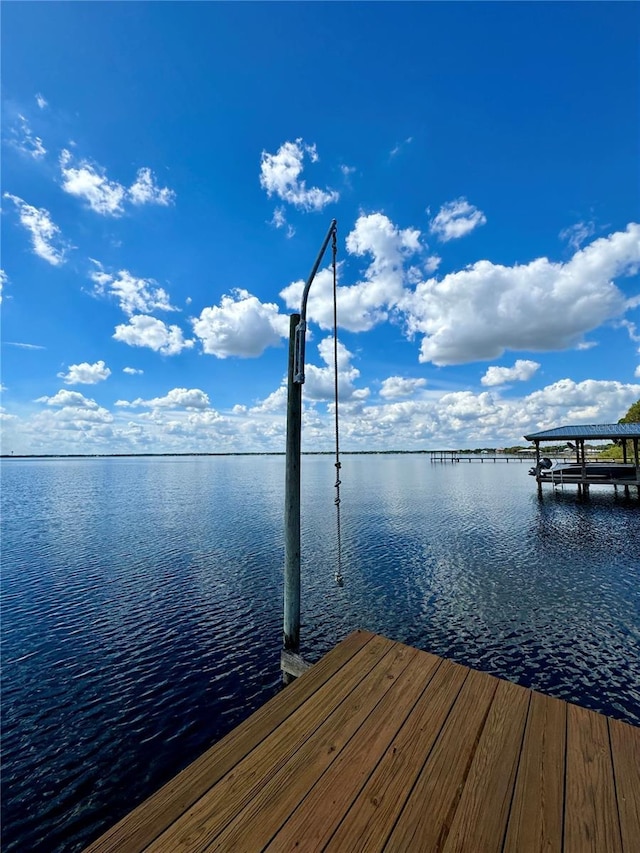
[142, 621]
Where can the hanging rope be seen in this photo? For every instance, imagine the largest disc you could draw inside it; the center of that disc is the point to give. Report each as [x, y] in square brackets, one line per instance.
[334, 251]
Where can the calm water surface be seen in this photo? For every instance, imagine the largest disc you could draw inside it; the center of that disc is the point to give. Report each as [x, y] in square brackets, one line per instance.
[141, 614]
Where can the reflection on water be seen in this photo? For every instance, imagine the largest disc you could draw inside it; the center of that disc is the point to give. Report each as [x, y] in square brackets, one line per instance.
[142, 605]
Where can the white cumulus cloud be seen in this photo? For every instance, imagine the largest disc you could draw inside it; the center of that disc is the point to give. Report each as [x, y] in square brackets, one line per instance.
[398, 386]
[589, 401]
[275, 403]
[320, 381]
[520, 372]
[280, 175]
[240, 325]
[455, 219]
[432, 263]
[132, 371]
[182, 419]
[90, 183]
[144, 190]
[85, 373]
[135, 295]
[145, 331]
[368, 302]
[46, 237]
[69, 398]
[477, 313]
[75, 415]
[177, 398]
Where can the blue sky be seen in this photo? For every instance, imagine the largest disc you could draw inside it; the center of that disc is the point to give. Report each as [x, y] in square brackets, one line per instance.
[170, 171]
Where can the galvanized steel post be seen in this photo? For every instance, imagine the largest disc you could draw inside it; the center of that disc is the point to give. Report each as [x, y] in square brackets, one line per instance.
[292, 503]
[297, 331]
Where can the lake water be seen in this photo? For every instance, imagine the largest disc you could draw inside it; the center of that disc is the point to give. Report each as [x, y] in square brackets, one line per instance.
[142, 600]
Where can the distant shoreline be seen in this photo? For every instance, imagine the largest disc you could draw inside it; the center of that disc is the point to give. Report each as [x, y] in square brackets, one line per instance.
[255, 453]
[239, 453]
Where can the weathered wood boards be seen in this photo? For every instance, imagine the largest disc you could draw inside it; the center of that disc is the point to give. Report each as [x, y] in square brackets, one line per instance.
[383, 747]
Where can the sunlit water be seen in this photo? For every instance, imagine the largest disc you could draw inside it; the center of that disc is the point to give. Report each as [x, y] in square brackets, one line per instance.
[142, 598]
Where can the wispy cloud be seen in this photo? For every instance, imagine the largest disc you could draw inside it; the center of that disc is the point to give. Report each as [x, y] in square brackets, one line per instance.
[632, 329]
[85, 373]
[132, 371]
[22, 346]
[399, 146]
[455, 219]
[41, 101]
[23, 138]
[90, 183]
[347, 172]
[4, 279]
[46, 237]
[280, 176]
[576, 235]
[279, 220]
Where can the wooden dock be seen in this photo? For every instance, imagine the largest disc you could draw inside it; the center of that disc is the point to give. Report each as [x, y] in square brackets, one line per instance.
[380, 746]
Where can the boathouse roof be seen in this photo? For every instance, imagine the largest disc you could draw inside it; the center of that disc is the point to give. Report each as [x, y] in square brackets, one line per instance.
[587, 431]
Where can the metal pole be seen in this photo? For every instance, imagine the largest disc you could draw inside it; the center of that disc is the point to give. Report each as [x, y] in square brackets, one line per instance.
[302, 324]
[291, 621]
[292, 503]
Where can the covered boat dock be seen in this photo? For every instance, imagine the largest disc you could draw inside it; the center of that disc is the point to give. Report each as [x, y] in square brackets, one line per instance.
[623, 434]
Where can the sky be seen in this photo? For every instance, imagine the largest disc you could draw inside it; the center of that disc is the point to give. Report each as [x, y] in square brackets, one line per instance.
[170, 170]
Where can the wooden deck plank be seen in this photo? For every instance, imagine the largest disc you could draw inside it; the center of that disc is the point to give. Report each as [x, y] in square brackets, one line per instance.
[425, 820]
[141, 826]
[481, 817]
[382, 747]
[374, 812]
[256, 825]
[535, 822]
[313, 823]
[625, 751]
[591, 822]
[198, 827]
